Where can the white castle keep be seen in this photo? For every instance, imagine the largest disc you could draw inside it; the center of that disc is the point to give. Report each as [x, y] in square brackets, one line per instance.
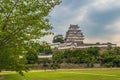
[74, 40]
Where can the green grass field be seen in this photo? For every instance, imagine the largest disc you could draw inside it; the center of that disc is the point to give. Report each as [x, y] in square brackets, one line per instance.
[65, 74]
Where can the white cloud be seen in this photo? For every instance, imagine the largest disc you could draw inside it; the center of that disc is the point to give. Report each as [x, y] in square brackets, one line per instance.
[60, 10]
[80, 15]
[105, 4]
[116, 28]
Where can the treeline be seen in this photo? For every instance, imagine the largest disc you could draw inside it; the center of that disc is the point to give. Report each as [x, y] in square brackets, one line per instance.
[89, 56]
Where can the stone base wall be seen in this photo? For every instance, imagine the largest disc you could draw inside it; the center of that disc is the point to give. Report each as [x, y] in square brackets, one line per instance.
[75, 66]
[63, 66]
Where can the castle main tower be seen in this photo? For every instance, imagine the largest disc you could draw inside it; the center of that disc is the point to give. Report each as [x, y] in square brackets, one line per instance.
[75, 35]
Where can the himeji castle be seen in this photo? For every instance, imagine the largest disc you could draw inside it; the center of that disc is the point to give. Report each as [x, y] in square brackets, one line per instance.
[74, 39]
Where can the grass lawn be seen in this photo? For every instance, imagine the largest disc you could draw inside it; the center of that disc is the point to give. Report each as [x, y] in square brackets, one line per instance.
[65, 74]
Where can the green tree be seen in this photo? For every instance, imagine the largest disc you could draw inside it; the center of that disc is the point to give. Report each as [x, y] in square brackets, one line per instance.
[45, 49]
[111, 58]
[81, 56]
[117, 59]
[32, 56]
[57, 57]
[58, 40]
[117, 50]
[55, 66]
[68, 56]
[107, 58]
[92, 56]
[20, 22]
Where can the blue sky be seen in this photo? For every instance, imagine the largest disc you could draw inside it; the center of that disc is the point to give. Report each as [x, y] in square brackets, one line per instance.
[99, 20]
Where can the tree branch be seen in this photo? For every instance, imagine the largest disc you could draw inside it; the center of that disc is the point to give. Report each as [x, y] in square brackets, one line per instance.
[7, 17]
[7, 38]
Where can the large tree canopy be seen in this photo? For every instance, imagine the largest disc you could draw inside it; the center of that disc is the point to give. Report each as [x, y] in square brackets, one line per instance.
[20, 22]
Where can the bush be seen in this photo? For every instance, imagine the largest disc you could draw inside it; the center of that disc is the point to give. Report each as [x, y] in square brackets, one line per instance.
[55, 66]
[110, 64]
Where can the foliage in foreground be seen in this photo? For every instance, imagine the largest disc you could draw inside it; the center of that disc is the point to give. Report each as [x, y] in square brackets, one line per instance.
[20, 22]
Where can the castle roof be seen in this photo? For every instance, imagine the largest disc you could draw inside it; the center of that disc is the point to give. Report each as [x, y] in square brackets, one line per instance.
[73, 26]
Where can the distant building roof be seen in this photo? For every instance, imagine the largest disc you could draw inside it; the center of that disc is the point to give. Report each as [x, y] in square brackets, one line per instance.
[73, 26]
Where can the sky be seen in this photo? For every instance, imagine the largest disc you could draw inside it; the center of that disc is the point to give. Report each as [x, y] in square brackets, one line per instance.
[99, 20]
